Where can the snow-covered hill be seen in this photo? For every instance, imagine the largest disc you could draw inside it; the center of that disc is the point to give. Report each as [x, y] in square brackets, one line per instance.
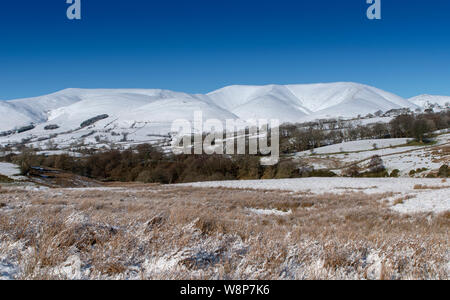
[292, 103]
[12, 117]
[141, 114]
[346, 99]
[427, 101]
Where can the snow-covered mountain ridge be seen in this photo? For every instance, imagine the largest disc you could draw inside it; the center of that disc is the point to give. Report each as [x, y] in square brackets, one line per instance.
[143, 113]
[430, 101]
[289, 103]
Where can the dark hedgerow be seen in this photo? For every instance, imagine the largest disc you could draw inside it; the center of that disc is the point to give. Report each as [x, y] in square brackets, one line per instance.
[147, 164]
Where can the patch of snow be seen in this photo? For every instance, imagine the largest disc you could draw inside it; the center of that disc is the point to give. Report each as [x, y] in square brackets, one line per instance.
[375, 263]
[59, 152]
[160, 265]
[9, 266]
[436, 201]
[11, 170]
[34, 188]
[270, 212]
[77, 218]
[8, 271]
[71, 268]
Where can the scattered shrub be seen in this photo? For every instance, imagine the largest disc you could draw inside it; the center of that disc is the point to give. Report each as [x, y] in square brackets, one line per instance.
[51, 127]
[286, 169]
[376, 164]
[4, 179]
[322, 173]
[93, 120]
[25, 128]
[444, 172]
[378, 174]
[352, 171]
[209, 226]
[395, 173]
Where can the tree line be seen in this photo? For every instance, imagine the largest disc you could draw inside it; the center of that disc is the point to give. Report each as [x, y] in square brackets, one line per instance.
[303, 137]
[149, 164]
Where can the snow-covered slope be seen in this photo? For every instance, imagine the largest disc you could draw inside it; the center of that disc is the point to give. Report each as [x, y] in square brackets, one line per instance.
[292, 103]
[346, 99]
[132, 116]
[12, 117]
[127, 107]
[36, 109]
[426, 101]
[69, 108]
[255, 102]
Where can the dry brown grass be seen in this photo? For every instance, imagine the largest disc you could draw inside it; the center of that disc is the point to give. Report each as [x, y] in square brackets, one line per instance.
[402, 200]
[171, 232]
[399, 201]
[428, 187]
[442, 151]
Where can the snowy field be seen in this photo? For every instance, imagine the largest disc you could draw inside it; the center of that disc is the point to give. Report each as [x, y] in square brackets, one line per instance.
[10, 170]
[356, 149]
[435, 198]
[355, 146]
[418, 159]
[403, 158]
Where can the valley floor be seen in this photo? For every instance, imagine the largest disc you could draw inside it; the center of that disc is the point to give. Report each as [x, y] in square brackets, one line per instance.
[333, 228]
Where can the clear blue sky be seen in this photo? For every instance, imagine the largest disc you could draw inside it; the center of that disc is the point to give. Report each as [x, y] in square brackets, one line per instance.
[201, 45]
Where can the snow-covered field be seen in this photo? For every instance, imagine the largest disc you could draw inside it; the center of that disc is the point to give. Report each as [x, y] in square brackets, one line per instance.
[435, 198]
[417, 159]
[375, 146]
[10, 170]
[356, 146]
[394, 153]
[404, 159]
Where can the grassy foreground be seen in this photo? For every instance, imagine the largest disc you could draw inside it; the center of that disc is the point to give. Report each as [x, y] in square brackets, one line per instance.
[136, 231]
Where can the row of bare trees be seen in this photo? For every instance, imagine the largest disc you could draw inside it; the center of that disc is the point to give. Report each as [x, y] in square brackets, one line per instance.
[302, 137]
